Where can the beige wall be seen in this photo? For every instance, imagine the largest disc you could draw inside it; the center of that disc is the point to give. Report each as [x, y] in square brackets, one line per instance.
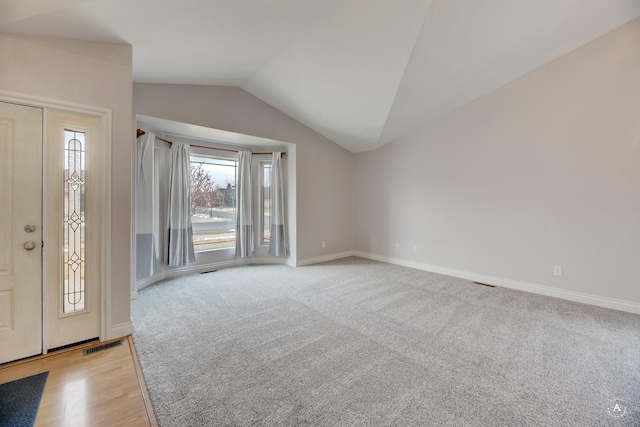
[542, 172]
[324, 177]
[96, 75]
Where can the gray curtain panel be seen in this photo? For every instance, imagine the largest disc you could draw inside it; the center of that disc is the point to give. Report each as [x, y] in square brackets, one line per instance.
[277, 240]
[145, 245]
[180, 249]
[244, 213]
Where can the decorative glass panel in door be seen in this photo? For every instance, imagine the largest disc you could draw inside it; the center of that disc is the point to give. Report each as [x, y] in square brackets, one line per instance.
[74, 222]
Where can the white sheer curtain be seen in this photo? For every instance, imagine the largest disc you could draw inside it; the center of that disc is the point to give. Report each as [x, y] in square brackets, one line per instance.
[180, 249]
[244, 214]
[277, 240]
[145, 245]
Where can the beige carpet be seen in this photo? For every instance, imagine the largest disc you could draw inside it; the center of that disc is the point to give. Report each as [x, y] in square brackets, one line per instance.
[361, 343]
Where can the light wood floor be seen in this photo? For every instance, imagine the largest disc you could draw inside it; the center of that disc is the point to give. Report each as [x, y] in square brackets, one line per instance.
[105, 388]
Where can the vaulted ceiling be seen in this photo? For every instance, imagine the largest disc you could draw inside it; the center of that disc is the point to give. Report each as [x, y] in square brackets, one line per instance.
[360, 72]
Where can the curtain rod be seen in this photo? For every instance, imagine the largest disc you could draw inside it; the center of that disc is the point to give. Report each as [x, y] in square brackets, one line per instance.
[140, 132]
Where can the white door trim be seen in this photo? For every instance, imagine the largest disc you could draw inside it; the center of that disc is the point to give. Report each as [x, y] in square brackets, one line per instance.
[104, 117]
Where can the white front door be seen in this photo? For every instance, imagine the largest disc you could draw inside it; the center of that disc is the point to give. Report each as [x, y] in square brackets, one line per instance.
[20, 232]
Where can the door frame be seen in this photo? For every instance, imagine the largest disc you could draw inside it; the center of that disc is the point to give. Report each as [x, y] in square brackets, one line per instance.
[104, 117]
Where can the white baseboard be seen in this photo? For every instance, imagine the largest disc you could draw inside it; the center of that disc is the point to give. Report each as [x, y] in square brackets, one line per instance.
[267, 260]
[291, 262]
[596, 300]
[324, 258]
[140, 284]
[182, 271]
[120, 330]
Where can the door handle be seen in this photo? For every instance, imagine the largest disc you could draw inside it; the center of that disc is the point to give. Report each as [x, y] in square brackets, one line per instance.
[30, 246]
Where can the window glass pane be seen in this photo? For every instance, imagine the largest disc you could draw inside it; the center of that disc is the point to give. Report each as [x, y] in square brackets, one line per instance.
[266, 202]
[213, 202]
[73, 268]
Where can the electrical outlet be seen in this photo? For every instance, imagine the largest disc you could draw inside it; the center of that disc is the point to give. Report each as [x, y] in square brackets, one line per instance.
[324, 244]
[415, 249]
[557, 270]
[397, 246]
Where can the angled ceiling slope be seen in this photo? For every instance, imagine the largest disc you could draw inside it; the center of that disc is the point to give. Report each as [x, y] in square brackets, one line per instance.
[360, 72]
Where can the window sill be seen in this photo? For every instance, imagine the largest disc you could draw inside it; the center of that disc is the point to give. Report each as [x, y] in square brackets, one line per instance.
[205, 251]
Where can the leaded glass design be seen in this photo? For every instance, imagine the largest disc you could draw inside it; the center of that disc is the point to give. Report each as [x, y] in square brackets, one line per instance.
[73, 294]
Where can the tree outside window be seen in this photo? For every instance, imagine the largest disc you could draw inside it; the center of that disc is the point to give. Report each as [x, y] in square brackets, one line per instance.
[213, 202]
